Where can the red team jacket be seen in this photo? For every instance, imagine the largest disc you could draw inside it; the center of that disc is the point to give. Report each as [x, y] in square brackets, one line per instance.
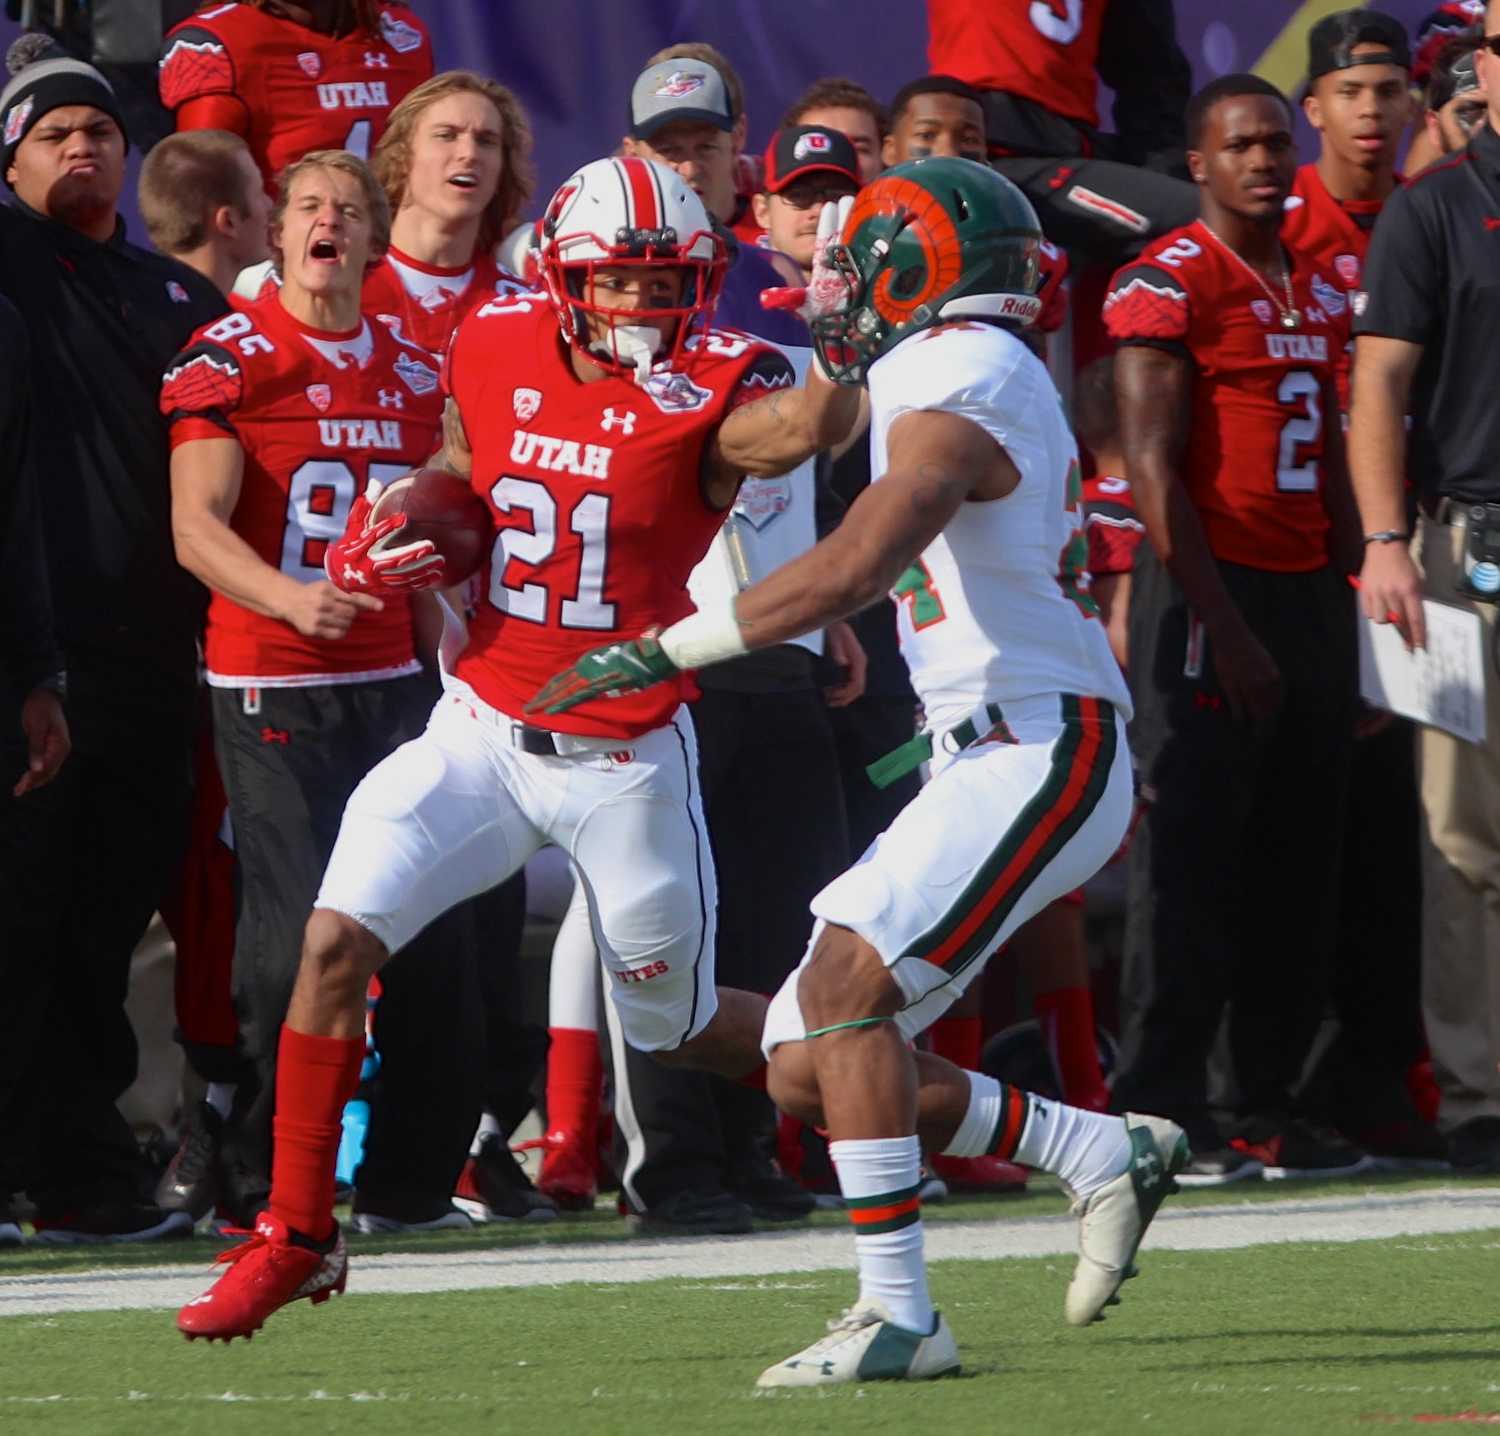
[1254, 466]
[596, 494]
[424, 304]
[318, 415]
[303, 90]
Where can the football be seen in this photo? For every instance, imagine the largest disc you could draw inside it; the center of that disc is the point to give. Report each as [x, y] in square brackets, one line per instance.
[442, 507]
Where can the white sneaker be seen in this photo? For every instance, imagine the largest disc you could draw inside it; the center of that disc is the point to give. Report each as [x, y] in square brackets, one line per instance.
[864, 1344]
[371, 1224]
[1112, 1222]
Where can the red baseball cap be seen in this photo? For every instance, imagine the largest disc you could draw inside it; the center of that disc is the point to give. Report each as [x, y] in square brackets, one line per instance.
[808, 149]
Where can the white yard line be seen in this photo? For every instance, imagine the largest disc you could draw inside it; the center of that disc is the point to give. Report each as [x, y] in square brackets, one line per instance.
[1218, 1228]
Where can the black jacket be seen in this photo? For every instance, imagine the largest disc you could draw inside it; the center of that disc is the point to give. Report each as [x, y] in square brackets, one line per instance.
[102, 321]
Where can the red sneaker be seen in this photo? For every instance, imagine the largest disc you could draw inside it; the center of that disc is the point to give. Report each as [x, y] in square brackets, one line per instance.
[265, 1273]
[568, 1173]
[979, 1174]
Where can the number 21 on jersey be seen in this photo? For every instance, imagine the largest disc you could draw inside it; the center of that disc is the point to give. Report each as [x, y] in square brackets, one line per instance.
[589, 520]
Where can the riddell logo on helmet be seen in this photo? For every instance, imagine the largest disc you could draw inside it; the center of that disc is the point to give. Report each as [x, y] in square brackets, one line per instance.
[1020, 306]
[811, 145]
[678, 84]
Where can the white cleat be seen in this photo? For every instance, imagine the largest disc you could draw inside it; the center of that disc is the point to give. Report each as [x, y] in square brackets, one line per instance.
[1112, 1222]
[864, 1344]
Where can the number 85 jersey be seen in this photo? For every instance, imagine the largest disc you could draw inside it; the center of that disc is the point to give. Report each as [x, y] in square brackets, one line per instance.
[596, 494]
[1262, 393]
[317, 415]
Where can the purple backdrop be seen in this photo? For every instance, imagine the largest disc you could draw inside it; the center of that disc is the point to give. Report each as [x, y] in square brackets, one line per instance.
[572, 61]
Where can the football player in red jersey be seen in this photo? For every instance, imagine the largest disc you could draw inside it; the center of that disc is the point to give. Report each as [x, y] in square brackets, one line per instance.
[1038, 64]
[455, 162]
[1359, 101]
[1241, 644]
[282, 413]
[294, 77]
[607, 429]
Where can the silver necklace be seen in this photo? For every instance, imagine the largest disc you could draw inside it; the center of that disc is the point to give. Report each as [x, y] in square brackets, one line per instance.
[1291, 316]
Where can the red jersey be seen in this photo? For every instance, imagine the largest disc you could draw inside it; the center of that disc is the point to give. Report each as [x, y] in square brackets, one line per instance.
[1041, 50]
[303, 90]
[1335, 233]
[423, 304]
[1111, 525]
[1256, 449]
[318, 415]
[595, 489]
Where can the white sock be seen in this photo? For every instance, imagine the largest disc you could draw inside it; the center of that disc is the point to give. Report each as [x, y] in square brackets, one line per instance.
[220, 1096]
[1083, 1149]
[891, 1267]
[487, 1125]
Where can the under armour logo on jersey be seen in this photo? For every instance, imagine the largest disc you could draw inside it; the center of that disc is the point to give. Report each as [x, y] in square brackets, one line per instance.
[625, 419]
[391, 398]
[353, 575]
[374, 61]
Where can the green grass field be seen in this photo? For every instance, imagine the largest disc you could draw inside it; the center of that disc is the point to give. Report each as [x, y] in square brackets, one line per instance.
[1292, 1338]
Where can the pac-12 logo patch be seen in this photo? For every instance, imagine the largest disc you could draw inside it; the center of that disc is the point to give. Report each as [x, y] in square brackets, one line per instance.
[527, 404]
[311, 63]
[1262, 310]
[1347, 266]
[320, 396]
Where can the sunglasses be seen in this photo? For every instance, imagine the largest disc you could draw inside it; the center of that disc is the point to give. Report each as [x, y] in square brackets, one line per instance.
[1492, 44]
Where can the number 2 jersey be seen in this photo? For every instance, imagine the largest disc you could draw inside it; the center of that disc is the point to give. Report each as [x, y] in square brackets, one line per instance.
[302, 90]
[1262, 394]
[596, 494]
[318, 415]
[996, 608]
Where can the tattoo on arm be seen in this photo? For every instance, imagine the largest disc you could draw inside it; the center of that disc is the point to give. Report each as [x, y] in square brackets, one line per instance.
[456, 452]
[935, 488]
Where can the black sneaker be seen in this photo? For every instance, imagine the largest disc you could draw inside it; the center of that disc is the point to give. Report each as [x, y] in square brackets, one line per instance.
[109, 1222]
[1218, 1167]
[493, 1188]
[1293, 1147]
[770, 1194]
[1406, 1145]
[693, 1214]
[191, 1181]
[1474, 1147]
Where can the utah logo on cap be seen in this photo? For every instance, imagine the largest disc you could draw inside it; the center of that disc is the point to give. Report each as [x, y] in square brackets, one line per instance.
[812, 144]
[527, 403]
[678, 84]
[15, 121]
[320, 396]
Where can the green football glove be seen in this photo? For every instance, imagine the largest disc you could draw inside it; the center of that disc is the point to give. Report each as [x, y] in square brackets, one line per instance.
[607, 672]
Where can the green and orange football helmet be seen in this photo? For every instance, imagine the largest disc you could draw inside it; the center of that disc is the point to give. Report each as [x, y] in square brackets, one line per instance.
[928, 242]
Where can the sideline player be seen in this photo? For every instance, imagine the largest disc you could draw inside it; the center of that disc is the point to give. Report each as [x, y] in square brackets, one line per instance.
[455, 163]
[289, 78]
[975, 525]
[608, 430]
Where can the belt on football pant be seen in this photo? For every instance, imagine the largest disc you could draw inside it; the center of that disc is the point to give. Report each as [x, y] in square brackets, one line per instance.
[539, 742]
[915, 751]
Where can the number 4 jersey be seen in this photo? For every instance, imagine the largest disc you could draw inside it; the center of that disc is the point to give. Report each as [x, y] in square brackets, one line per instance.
[1262, 393]
[996, 609]
[598, 505]
[318, 415]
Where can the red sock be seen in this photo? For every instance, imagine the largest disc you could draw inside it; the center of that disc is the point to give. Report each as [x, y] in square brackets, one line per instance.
[315, 1077]
[958, 1039]
[1066, 1015]
[575, 1073]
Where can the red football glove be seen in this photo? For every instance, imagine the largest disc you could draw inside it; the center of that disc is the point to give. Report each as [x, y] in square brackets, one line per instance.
[363, 560]
[1051, 290]
[827, 291]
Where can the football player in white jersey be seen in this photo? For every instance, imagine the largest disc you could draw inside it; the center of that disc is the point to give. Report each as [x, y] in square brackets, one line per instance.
[975, 528]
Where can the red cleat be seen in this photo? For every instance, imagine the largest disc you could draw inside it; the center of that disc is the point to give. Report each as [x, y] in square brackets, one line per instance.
[979, 1174]
[265, 1273]
[569, 1175]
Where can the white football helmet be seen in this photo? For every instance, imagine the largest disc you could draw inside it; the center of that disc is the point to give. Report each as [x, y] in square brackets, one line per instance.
[624, 212]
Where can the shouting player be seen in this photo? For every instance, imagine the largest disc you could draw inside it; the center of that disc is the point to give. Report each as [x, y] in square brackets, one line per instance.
[281, 413]
[975, 526]
[607, 428]
[456, 166]
[290, 77]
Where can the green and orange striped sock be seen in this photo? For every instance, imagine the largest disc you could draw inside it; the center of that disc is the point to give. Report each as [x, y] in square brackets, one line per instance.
[879, 1178]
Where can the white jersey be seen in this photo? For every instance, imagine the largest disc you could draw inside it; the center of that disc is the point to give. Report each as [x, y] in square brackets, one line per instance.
[996, 609]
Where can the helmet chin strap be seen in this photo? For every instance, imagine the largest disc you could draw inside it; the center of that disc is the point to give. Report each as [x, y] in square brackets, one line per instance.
[633, 344]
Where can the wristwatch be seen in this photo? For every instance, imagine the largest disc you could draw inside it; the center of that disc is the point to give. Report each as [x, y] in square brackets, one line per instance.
[1388, 536]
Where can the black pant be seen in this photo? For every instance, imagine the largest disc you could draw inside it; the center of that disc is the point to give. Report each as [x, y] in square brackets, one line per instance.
[774, 808]
[865, 730]
[289, 766]
[84, 863]
[1233, 868]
